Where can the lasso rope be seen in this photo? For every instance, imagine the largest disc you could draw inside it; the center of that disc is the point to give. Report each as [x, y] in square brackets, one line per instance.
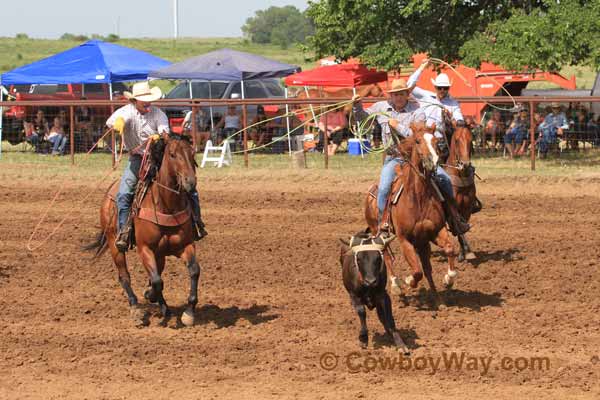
[465, 80]
[30, 246]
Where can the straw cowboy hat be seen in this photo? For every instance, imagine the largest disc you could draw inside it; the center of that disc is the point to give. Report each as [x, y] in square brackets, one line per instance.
[141, 91]
[398, 85]
[441, 80]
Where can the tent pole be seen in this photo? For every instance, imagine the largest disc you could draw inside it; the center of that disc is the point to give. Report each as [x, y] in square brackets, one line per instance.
[312, 110]
[362, 154]
[212, 124]
[113, 142]
[287, 122]
[72, 133]
[190, 87]
[245, 123]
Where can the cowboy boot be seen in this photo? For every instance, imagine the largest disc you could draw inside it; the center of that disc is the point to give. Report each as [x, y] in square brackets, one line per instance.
[199, 229]
[456, 223]
[477, 206]
[122, 241]
[198, 224]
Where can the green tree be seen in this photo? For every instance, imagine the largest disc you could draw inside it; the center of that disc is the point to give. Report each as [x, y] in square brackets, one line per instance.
[278, 25]
[517, 34]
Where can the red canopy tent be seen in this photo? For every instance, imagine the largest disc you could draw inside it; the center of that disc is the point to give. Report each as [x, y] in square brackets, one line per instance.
[340, 75]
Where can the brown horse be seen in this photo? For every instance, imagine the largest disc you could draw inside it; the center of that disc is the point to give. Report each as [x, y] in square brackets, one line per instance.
[163, 227]
[462, 175]
[372, 90]
[418, 216]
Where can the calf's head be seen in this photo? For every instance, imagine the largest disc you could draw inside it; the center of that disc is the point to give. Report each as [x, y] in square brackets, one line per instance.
[364, 254]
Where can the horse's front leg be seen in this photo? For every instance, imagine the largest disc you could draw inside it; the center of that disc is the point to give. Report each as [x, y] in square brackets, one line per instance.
[149, 294]
[465, 249]
[444, 240]
[189, 256]
[148, 258]
[425, 257]
[411, 257]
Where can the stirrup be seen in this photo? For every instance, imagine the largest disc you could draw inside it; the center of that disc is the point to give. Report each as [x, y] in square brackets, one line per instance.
[458, 226]
[477, 206]
[199, 231]
[122, 241]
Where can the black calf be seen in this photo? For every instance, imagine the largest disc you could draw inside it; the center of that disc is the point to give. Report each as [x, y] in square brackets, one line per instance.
[365, 278]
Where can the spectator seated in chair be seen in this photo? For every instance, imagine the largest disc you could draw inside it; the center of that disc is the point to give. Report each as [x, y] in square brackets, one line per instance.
[552, 128]
[57, 137]
[259, 133]
[230, 123]
[515, 138]
[83, 125]
[31, 135]
[336, 123]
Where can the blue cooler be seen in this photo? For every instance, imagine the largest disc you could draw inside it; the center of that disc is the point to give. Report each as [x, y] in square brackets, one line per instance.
[354, 146]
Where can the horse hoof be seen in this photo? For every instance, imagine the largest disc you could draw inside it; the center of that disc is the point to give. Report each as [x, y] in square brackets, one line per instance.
[150, 296]
[471, 256]
[448, 281]
[139, 316]
[395, 287]
[187, 318]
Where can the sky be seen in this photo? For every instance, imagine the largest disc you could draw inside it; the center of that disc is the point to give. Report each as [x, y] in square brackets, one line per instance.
[132, 18]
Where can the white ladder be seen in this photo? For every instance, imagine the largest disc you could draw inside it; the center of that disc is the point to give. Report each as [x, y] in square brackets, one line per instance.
[224, 154]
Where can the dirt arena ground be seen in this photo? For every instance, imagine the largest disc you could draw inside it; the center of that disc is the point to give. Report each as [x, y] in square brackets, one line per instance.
[274, 318]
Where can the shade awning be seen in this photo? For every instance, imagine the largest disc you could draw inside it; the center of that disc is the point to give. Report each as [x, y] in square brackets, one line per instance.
[94, 61]
[226, 65]
[342, 75]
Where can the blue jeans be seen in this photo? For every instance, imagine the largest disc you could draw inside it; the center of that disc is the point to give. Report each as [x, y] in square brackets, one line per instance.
[445, 184]
[548, 138]
[388, 174]
[127, 187]
[58, 144]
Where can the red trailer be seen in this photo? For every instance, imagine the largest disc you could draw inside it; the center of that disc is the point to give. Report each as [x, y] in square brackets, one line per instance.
[488, 80]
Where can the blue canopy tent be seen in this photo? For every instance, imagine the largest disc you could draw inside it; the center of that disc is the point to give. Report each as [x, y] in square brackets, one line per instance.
[91, 62]
[225, 65]
[94, 61]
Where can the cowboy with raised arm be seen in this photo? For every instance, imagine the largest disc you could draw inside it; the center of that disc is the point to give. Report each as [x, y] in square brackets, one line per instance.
[138, 122]
[395, 116]
[437, 108]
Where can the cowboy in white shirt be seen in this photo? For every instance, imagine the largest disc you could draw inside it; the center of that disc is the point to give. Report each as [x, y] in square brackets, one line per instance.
[434, 108]
[434, 105]
[137, 122]
[395, 116]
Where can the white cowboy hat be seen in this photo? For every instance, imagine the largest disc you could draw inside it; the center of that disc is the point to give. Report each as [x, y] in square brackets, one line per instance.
[398, 85]
[441, 80]
[141, 91]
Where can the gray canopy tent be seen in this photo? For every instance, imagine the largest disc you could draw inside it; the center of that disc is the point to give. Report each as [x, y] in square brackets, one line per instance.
[226, 65]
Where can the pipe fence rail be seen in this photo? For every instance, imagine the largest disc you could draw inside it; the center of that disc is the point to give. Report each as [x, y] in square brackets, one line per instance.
[63, 127]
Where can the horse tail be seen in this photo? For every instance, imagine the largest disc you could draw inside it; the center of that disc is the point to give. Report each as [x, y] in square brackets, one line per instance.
[100, 244]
